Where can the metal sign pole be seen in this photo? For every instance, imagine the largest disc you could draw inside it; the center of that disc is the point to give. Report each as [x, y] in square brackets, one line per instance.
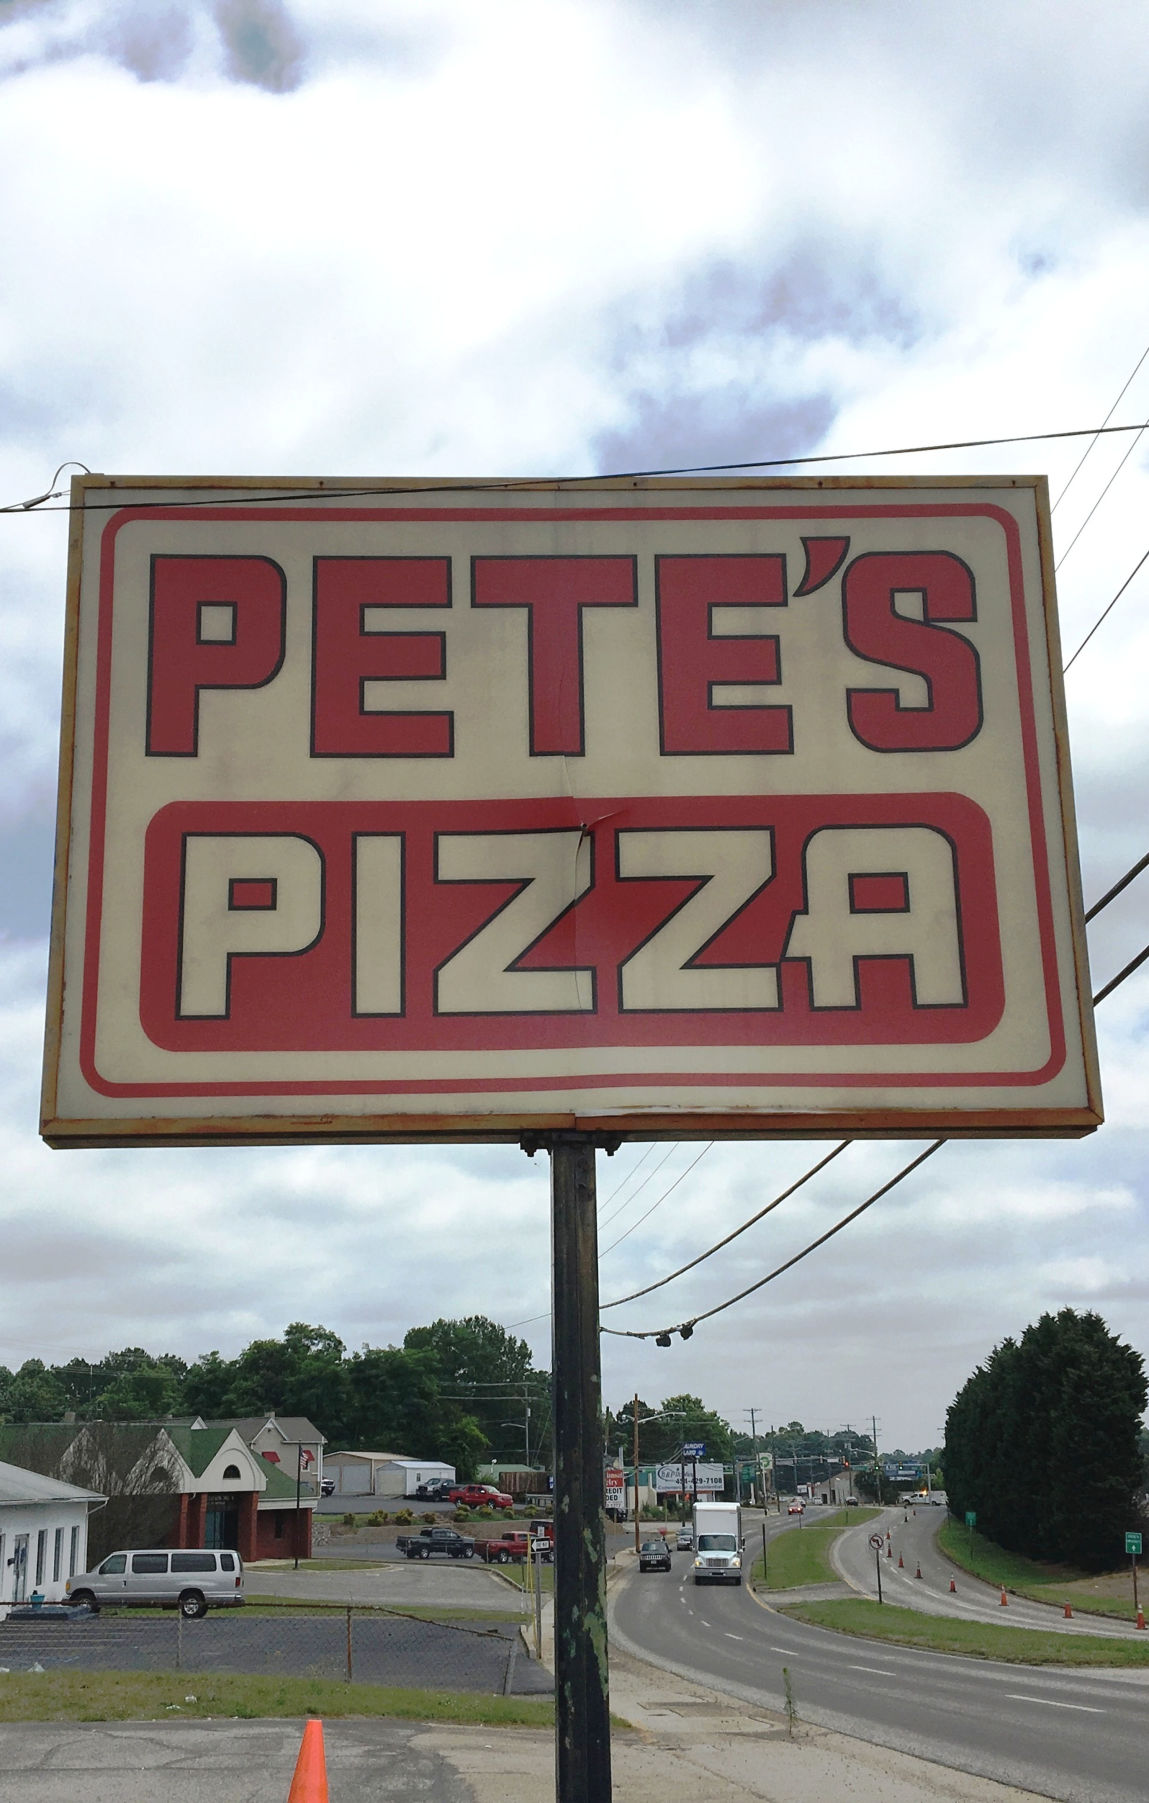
[582, 1712]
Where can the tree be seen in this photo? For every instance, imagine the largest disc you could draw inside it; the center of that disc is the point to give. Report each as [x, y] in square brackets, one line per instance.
[488, 1372]
[1042, 1441]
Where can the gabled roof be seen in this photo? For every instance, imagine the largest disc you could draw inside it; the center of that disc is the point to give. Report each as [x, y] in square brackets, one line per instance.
[20, 1486]
[281, 1488]
[294, 1429]
[197, 1446]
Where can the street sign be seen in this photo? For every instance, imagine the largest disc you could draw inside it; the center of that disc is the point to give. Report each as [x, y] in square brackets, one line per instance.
[401, 810]
[971, 1518]
[694, 1449]
[1133, 1544]
[877, 1542]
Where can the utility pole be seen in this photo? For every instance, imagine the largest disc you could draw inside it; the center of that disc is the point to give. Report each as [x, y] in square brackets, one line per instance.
[877, 1468]
[754, 1442]
[636, 1474]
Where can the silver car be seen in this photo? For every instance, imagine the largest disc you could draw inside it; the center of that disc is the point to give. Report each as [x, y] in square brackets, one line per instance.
[190, 1580]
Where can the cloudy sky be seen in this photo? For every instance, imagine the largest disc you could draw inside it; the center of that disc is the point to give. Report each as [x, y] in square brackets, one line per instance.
[425, 237]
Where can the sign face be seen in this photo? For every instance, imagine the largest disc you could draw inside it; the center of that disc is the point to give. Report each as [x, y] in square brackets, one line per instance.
[1133, 1543]
[694, 1449]
[971, 1518]
[681, 1478]
[615, 1486]
[407, 811]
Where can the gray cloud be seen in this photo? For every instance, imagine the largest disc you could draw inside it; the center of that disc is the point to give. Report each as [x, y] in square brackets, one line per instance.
[261, 43]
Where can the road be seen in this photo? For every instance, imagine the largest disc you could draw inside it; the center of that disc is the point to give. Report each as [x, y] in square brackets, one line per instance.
[1078, 1736]
[913, 1540]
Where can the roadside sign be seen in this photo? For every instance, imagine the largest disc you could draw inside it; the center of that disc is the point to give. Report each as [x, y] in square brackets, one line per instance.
[971, 1518]
[877, 1542]
[1133, 1544]
[401, 810]
[679, 1477]
[694, 1449]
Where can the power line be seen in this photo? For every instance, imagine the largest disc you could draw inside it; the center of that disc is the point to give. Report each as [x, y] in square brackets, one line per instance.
[1128, 454]
[633, 1171]
[1123, 883]
[661, 1199]
[754, 1219]
[1068, 666]
[1105, 422]
[686, 1328]
[513, 484]
[607, 1219]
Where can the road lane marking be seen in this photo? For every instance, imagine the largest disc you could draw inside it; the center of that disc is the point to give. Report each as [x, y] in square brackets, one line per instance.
[883, 1671]
[731, 1636]
[1015, 1696]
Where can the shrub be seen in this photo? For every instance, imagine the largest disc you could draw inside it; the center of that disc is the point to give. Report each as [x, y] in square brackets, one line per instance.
[349, 1520]
[404, 1517]
[430, 1517]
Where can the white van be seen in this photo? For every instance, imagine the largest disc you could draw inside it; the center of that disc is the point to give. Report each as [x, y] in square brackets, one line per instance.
[190, 1580]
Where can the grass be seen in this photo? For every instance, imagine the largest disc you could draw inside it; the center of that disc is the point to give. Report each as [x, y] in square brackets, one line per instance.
[1097, 1593]
[802, 1555]
[276, 1605]
[977, 1640]
[70, 1696]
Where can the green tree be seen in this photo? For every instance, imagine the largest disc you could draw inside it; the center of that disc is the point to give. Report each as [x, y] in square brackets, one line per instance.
[489, 1374]
[1042, 1441]
[32, 1394]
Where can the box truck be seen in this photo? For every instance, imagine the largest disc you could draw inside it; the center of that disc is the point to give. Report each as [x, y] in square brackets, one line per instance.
[717, 1543]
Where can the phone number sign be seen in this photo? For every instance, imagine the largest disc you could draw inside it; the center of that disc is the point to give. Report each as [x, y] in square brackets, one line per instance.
[460, 810]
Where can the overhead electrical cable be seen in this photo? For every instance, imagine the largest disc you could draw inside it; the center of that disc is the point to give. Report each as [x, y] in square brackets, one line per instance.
[1129, 452]
[633, 1171]
[1103, 616]
[658, 1203]
[512, 484]
[686, 1328]
[754, 1219]
[1089, 447]
[634, 1194]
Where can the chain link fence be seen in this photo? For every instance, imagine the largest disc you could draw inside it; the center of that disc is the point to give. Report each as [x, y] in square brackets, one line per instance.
[359, 1643]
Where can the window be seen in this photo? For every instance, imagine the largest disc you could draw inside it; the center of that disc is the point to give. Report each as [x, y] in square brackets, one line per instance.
[227, 1561]
[112, 1567]
[231, 1471]
[41, 1555]
[193, 1561]
[74, 1553]
[57, 1555]
[149, 1562]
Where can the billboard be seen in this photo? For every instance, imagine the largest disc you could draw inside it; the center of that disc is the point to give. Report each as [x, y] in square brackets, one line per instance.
[400, 810]
[680, 1478]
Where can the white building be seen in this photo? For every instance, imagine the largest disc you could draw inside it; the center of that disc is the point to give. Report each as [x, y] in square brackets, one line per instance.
[384, 1474]
[43, 1535]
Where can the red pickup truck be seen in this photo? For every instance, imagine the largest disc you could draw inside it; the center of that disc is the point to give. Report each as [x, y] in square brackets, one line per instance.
[480, 1496]
[514, 1546]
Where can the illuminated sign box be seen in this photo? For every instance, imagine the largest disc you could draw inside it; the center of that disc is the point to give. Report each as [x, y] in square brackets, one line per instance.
[407, 811]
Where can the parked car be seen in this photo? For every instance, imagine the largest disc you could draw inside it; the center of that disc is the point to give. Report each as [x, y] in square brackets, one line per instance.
[796, 1508]
[436, 1489]
[654, 1555]
[189, 1580]
[327, 1486]
[684, 1543]
[436, 1540]
[480, 1496]
[851, 1502]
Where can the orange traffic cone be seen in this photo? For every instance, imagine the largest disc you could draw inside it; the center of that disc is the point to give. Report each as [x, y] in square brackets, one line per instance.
[918, 1572]
[1068, 1613]
[889, 1550]
[1004, 1598]
[309, 1785]
[901, 1563]
[953, 1588]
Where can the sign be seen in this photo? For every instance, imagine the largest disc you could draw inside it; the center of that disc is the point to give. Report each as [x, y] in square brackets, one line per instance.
[693, 1449]
[1133, 1544]
[877, 1542]
[615, 1484]
[971, 1518]
[406, 810]
[680, 1478]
